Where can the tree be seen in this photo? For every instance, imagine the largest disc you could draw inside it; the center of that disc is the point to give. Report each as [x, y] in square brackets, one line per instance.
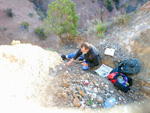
[61, 18]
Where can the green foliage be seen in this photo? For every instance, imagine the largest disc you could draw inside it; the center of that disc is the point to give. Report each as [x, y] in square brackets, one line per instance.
[9, 12]
[123, 20]
[41, 33]
[90, 102]
[93, 1]
[50, 49]
[31, 15]
[3, 28]
[25, 24]
[62, 18]
[101, 28]
[40, 13]
[109, 5]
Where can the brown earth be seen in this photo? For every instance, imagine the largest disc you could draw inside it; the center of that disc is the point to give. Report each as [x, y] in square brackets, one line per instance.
[14, 31]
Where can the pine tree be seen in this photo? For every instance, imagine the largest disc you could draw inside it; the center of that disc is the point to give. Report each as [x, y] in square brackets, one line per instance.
[62, 18]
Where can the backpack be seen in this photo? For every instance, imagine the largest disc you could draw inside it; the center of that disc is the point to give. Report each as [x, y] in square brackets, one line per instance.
[120, 81]
[127, 67]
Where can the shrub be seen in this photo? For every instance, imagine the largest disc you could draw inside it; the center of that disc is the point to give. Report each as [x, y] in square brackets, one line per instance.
[41, 33]
[41, 14]
[101, 28]
[123, 19]
[62, 18]
[93, 1]
[9, 12]
[25, 24]
[3, 28]
[31, 15]
[108, 4]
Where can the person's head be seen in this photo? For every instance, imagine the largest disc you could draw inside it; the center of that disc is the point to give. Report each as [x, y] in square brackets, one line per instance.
[85, 47]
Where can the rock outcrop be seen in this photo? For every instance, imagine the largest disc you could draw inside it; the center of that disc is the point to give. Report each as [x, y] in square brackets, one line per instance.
[24, 73]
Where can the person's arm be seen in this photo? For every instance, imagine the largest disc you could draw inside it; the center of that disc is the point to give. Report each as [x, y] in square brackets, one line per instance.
[75, 57]
[70, 62]
[96, 61]
[77, 54]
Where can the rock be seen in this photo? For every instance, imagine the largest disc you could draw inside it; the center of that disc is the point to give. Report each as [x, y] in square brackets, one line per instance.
[78, 88]
[82, 106]
[68, 76]
[66, 85]
[67, 91]
[120, 99]
[76, 102]
[64, 95]
[64, 75]
[102, 84]
[108, 95]
[76, 95]
[145, 7]
[95, 90]
[94, 105]
[82, 93]
[106, 86]
[96, 85]
[67, 72]
[111, 91]
[87, 103]
[146, 89]
[74, 91]
[93, 96]
[99, 99]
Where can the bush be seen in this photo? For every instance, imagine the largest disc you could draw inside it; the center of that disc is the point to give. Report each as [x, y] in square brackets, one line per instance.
[101, 28]
[9, 12]
[123, 20]
[25, 24]
[41, 33]
[31, 15]
[108, 4]
[41, 14]
[3, 28]
[62, 18]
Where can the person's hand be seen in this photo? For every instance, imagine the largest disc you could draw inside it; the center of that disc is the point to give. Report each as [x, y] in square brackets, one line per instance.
[70, 62]
[85, 64]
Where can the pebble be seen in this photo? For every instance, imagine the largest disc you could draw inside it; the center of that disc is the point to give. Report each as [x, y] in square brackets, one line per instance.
[96, 85]
[64, 95]
[94, 106]
[111, 91]
[93, 96]
[99, 99]
[82, 93]
[60, 68]
[120, 98]
[106, 86]
[95, 90]
[67, 72]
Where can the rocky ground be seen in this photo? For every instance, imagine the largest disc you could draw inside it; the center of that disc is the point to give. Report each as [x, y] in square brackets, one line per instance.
[72, 92]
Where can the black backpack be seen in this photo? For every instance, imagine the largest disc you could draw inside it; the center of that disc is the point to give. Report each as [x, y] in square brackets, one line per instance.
[127, 67]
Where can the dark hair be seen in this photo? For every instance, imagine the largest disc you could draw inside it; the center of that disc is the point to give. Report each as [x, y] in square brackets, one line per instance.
[86, 45]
